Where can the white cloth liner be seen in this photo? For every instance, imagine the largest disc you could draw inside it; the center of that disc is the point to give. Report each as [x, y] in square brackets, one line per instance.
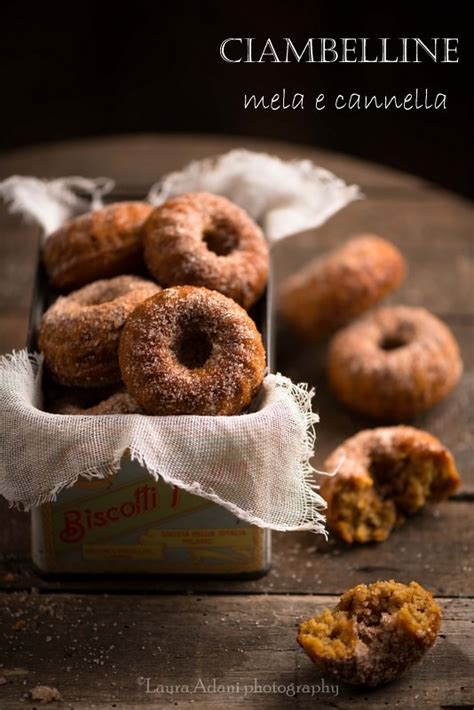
[284, 197]
[49, 203]
[257, 464]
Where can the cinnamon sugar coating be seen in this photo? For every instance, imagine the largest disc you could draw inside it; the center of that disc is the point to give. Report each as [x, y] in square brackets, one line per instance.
[96, 245]
[190, 350]
[374, 634]
[337, 287]
[200, 239]
[394, 363]
[386, 474]
[79, 334]
[119, 403]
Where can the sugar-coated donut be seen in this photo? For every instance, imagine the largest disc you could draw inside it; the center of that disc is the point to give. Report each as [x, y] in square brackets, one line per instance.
[200, 239]
[189, 350]
[337, 287]
[96, 245]
[374, 634]
[394, 363]
[118, 403]
[384, 475]
[79, 334]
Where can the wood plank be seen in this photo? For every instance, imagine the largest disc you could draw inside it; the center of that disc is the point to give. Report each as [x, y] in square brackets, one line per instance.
[95, 651]
[435, 548]
[430, 218]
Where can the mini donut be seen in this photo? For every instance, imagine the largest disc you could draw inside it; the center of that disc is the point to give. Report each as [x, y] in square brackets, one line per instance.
[110, 399]
[96, 245]
[394, 363]
[120, 403]
[79, 334]
[374, 634]
[337, 287]
[199, 239]
[385, 475]
[189, 350]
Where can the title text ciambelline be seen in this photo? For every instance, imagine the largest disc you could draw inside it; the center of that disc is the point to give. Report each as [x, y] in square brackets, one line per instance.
[327, 50]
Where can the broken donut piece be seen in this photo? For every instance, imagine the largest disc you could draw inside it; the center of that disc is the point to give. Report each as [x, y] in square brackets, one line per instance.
[374, 634]
[385, 475]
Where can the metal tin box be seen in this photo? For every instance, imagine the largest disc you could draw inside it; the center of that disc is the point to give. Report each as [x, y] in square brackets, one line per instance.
[129, 523]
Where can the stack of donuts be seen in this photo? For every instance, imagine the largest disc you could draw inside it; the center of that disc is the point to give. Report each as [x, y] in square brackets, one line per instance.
[390, 364]
[152, 316]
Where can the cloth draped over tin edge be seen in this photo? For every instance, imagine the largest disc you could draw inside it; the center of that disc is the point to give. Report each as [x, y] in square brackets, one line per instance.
[257, 465]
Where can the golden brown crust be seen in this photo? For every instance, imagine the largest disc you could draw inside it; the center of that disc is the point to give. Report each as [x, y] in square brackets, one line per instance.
[339, 286]
[374, 634]
[96, 245]
[394, 363]
[190, 350]
[385, 475]
[79, 334]
[119, 403]
[201, 239]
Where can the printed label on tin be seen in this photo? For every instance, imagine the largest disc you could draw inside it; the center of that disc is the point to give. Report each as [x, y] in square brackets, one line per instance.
[130, 522]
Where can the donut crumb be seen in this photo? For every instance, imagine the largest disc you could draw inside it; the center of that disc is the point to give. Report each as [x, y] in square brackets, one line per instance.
[45, 694]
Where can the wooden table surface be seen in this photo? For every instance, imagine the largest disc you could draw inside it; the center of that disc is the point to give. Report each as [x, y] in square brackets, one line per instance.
[97, 641]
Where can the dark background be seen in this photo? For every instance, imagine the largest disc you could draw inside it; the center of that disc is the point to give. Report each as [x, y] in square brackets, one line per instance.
[100, 68]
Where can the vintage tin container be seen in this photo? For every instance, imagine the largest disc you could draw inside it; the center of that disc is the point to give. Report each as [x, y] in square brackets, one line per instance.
[130, 523]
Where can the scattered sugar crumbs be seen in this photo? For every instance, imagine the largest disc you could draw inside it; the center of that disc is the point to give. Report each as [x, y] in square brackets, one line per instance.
[44, 694]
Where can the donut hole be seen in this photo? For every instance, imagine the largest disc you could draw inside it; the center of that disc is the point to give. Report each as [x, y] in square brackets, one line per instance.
[219, 240]
[113, 292]
[193, 349]
[393, 342]
[97, 294]
[106, 298]
[399, 336]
